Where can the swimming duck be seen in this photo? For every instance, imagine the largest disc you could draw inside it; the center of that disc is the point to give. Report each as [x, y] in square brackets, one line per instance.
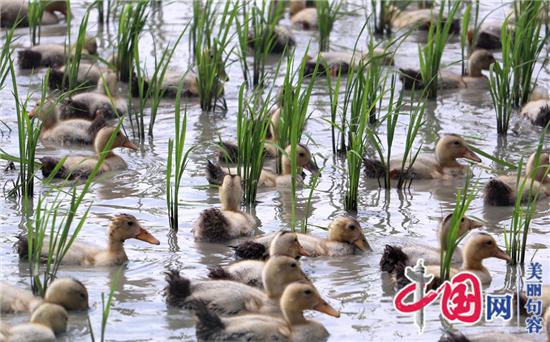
[479, 60]
[250, 271]
[293, 326]
[409, 255]
[80, 167]
[488, 36]
[479, 247]
[421, 19]
[215, 173]
[215, 225]
[230, 297]
[13, 10]
[46, 321]
[88, 75]
[50, 55]
[122, 228]
[537, 111]
[282, 39]
[502, 190]
[343, 61]
[306, 19]
[67, 292]
[442, 164]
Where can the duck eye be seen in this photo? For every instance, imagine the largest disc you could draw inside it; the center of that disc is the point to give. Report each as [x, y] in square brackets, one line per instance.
[489, 243]
[130, 223]
[351, 227]
[301, 154]
[462, 220]
[295, 239]
[293, 265]
[82, 295]
[456, 143]
[308, 292]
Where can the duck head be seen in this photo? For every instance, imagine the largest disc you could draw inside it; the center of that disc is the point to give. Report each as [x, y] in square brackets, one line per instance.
[542, 172]
[52, 316]
[121, 140]
[107, 84]
[347, 229]
[286, 243]
[480, 59]
[304, 160]
[46, 111]
[231, 193]
[69, 293]
[278, 272]
[451, 147]
[479, 247]
[298, 297]
[90, 44]
[466, 224]
[125, 226]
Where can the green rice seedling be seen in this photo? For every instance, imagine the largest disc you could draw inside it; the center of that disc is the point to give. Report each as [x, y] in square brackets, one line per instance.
[176, 164]
[334, 95]
[326, 16]
[34, 18]
[500, 81]
[379, 10]
[464, 198]
[314, 182]
[137, 112]
[464, 26]
[74, 53]
[106, 307]
[100, 11]
[430, 55]
[6, 55]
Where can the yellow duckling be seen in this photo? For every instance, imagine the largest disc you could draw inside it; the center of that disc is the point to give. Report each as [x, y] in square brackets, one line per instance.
[122, 228]
[50, 55]
[503, 190]
[293, 326]
[80, 167]
[46, 321]
[421, 19]
[250, 271]
[67, 292]
[88, 75]
[11, 11]
[230, 297]
[215, 225]
[409, 255]
[537, 111]
[215, 173]
[442, 164]
[479, 60]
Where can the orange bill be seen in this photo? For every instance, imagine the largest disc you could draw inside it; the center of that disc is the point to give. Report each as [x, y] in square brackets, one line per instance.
[500, 254]
[302, 252]
[363, 245]
[130, 145]
[144, 235]
[469, 154]
[325, 307]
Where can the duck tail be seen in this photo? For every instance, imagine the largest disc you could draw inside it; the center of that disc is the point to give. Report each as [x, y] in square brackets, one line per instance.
[497, 193]
[135, 86]
[49, 165]
[178, 288]
[219, 273]
[453, 337]
[209, 323]
[214, 173]
[28, 59]
[410, 78]
[250, 250]
[228, 152]
[22, 247]
[543, 118]
[374, 168]
[211, 226]
[55, 80]
[392, 257]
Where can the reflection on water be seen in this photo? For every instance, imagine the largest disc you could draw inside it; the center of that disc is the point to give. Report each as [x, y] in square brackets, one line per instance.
[353, 284]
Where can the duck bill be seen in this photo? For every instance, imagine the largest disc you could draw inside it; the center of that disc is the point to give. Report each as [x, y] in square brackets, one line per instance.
[363, 245]
[500, 254]
[469, 154]
[32, 113]
[476, 224]
[303, 252]
[312, 167]
[324, 307]
[130, 145]
[144, 235]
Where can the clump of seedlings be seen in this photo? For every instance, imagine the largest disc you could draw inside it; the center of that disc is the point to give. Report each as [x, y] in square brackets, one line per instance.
[327, 13]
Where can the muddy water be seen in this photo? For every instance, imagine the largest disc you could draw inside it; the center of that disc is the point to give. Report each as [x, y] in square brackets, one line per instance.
[354, 284]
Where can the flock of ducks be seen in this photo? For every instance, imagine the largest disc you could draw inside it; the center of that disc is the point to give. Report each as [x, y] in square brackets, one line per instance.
[263, 296]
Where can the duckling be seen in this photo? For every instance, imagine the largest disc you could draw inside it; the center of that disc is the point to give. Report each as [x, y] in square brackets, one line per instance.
[215, 173]
[88, 75]
[50, 55]
[503, 190]
[421, 19]
[250, 271]
[122, 228]
[46, 321]
[16, 11]
[488, 36]
[282, 39]
[409, 255]
[291, 327]
[343, 61]
[306, 19]
[230, 297]
[80, 167]
[215, 225]
[479, 247]
[442, 164]
[478, 60]
[67, 292]
[537, 111]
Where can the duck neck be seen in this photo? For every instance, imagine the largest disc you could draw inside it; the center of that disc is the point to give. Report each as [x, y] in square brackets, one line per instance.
[473, 263]
[285, 163]
[100, 146]
[293, 315]
[116, 246]
[445, 161]
[474, 70]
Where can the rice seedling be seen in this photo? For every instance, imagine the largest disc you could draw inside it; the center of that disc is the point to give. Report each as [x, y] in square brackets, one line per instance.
[5, 55]
[334, 95]
[100, 11]
[314, 182]
[326, 16]
[74, 53]
[430, 55]
[176, 164]
[379, 11]
[34, 18]
[106, 307]
[137, 86]
[464, 26]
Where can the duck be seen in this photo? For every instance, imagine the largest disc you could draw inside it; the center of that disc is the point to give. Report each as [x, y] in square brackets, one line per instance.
[479, 60]
[537, 112]
[51, 55]
[334, 62]
[421, 19]
[488, 36]
[478, 248]
[88, 75]
[16, 11]
[122, 227]
[250, 271]
[442, 164]
[283, 39]
[229, 222]
[67, 292]
[80, 167]
[46, 321]
[292, 326]
[228, 297]
[409, 255]
[305, 19]
[269, 179]
[503, 190]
